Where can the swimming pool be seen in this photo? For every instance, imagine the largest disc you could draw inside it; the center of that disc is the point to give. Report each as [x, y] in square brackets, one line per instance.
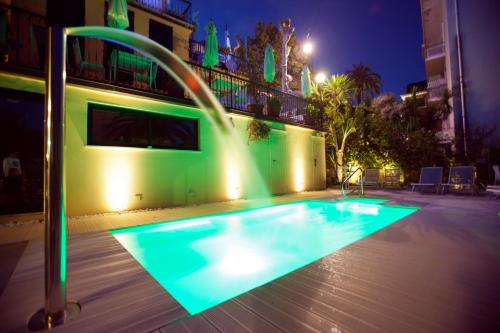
[207, 260]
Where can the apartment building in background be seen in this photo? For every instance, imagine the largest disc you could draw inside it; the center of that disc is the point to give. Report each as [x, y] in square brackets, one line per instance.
[461, 49]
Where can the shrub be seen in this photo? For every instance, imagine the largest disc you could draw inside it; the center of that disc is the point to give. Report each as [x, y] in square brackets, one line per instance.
[257, 130]
[274, 106]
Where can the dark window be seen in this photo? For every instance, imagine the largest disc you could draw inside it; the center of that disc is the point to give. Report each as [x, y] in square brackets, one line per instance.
[109, 126]
[116, 128]
[21, 131]
[161, 33]
[173, 132]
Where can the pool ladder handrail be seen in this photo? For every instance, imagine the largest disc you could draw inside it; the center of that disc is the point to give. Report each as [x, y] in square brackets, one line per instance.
[344, 182]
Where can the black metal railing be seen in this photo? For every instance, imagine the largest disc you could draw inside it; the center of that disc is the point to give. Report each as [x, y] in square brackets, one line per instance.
[99, 61]
[181, 9]
[244, 95]
[227, 62]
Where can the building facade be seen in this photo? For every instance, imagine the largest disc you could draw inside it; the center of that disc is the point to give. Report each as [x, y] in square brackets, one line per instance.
[134, 139]
[461, 49]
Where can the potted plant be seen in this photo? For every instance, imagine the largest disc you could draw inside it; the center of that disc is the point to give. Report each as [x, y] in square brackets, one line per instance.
[258, 130]
[311, 114]
[274, 106]
[256, 106]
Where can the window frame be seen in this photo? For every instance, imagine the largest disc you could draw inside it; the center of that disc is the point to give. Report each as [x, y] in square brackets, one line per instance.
[150, 116]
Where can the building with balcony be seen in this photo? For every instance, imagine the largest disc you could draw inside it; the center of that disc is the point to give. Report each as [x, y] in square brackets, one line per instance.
[419, 89]
[134, 138]
[461, 52]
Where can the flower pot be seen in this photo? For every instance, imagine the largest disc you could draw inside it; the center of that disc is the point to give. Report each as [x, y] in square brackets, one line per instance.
[309, 119]
[255, 108]
[273, 112]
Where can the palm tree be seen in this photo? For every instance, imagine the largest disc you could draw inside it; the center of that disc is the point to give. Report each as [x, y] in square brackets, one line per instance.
[337, 93]
[367, 82]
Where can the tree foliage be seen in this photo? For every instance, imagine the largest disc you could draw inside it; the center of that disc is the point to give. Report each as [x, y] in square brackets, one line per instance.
[335, 97]
[400, 134]
[253, 49]
[367, 83]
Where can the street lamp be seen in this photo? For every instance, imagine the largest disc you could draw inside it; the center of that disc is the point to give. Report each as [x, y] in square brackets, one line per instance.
[320, 77]
[308, 47]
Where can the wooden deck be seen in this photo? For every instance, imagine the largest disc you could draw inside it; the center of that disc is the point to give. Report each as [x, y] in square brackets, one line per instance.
[435, 271]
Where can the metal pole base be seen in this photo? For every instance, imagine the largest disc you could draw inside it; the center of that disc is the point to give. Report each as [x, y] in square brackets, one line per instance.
[40, 321]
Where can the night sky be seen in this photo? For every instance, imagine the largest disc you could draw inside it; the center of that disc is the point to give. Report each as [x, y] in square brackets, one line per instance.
[386, 34]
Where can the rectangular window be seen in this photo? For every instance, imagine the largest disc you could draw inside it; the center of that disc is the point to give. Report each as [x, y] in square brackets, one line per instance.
[110, 126]
[161, 33]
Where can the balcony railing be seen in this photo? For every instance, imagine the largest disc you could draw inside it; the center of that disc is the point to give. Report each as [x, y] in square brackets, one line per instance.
[433, 83]
[436, 89]
[101, 62]
[180, 9]
[227, 62]
[434, 51]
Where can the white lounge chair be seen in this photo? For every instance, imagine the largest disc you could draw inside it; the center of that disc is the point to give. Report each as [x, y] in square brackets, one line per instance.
[392, 177]
[429, 177]
[496, 169]
[461, 178]
[495, 189]
[372, 178]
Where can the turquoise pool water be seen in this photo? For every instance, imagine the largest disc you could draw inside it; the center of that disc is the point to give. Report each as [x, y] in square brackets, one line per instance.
[205, 261]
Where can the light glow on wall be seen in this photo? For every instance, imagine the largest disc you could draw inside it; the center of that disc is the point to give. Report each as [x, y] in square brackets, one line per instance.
[118, 180]
[233, 181]
[298, 175]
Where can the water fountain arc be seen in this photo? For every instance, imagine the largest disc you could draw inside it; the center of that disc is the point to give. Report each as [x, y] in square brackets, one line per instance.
[55, 256]
[167, 60]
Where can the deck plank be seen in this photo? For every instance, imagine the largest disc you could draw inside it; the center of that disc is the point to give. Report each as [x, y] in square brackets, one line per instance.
[435, 271]
[9, 257]
[116, 293]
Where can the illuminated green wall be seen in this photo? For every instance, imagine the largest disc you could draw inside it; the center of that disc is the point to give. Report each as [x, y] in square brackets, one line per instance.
[103, 179]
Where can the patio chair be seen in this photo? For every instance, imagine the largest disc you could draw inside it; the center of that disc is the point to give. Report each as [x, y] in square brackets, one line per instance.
[150, 78]
[83, 65]
[392, 177]
[429, 177]
[496, 169]
[461, 178]
[495, 189]
[372, 178]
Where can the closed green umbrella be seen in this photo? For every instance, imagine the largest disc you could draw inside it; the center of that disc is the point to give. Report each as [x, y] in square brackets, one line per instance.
[269, 64]
[306, 82]
[117, 14]
[211, 56]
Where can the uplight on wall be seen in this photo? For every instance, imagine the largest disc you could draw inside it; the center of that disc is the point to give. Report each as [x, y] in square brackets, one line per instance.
[233, 182]
[117, 179]
[298, 174]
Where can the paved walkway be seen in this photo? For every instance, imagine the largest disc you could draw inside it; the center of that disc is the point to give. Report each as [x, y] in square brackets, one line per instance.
[30, 226]
[435, 271]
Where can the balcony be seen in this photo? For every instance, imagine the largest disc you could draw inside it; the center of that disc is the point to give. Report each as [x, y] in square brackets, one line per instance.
[180, 9]
[106, 65]
[436, 89]
[435, 51]
[227, 62]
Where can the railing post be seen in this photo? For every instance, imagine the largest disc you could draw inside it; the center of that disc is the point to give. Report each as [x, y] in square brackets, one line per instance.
[56, 310]
[231, 90]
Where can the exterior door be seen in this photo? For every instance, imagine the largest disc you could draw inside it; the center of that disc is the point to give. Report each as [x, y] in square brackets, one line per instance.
[279, 163]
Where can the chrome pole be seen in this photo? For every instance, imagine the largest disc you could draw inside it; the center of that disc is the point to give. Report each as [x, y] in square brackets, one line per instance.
[57, 310]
